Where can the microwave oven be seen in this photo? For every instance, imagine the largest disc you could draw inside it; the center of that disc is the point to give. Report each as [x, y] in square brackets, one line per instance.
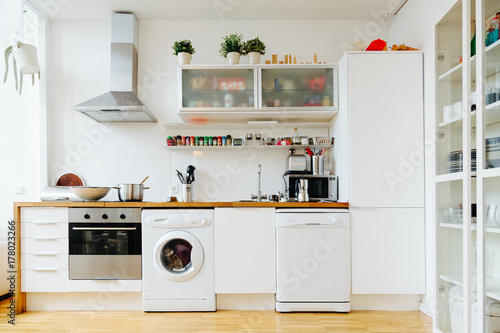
[320, 187]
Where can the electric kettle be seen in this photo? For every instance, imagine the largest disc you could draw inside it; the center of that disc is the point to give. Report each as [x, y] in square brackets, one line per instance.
[302, 186]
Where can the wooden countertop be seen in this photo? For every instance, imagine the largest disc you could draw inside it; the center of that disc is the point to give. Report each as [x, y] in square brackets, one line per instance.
[100, 204]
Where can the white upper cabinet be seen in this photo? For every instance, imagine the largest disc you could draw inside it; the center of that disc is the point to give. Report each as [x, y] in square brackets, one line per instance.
[241, 93]
[382, 102]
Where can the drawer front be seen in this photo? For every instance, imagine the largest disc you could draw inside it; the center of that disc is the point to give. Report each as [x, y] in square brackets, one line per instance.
[105, 285]
[44, 230]
[44, 214]
[44, 260]
[43, 246]
[44, 281]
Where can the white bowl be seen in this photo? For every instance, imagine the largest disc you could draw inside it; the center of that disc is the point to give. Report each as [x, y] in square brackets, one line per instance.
[90, 193]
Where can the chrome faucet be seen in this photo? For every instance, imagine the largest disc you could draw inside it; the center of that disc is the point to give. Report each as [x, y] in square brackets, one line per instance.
[259, 195]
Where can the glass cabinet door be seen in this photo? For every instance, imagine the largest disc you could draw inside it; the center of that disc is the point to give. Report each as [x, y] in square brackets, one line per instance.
[449, 93]
[296, 87]
[488, 118]
[456, 169]
[218, 88]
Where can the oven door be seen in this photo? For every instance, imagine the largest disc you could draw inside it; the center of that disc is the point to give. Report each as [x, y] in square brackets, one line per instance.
[105, 251]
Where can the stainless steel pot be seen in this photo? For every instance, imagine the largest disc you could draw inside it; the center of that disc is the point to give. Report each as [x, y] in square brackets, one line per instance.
[130, 192]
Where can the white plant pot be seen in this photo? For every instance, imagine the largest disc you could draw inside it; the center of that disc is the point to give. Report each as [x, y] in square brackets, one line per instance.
[254, 57]
[184, 58]
[26, 58]
[234, 58]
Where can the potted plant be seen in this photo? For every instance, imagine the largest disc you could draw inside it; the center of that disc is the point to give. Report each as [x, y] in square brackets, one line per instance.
[254, 48]
[184, 50]
[25, 57]
[232, 47]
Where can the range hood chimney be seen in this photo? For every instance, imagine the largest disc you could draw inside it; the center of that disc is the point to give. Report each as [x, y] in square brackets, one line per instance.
[121, 103]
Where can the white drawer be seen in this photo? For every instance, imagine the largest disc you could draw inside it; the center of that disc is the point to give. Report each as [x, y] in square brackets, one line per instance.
[44, 214]
[44, 230]
[56, 245]
[44, 280]
[105, 285]
[44, 260]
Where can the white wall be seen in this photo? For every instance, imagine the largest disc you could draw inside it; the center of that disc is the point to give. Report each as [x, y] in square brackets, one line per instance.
[415, 26]
[19, 132]
[121, 153]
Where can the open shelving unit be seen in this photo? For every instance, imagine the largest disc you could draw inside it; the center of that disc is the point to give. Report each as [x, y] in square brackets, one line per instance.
[467, 259]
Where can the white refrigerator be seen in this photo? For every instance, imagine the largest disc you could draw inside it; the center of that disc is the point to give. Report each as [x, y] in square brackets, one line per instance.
[379, 158]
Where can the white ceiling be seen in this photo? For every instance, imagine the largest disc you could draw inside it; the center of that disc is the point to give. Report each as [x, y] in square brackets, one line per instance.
[72, 10]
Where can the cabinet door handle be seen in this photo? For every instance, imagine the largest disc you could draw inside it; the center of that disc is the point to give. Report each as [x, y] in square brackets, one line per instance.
[44, 238]
[45, 254]
[98, 228]
[45, 269]
[46, 223]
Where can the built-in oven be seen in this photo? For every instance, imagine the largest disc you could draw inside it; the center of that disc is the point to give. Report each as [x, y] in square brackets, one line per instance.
[105, 244]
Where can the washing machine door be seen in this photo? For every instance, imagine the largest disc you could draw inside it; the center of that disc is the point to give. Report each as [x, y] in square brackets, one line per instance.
[178, 255]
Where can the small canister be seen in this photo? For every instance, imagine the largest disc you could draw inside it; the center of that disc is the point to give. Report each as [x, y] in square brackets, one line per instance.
[228, 100]
[169, 141]
[224, 141]
[196, 140]
[179, 140]
[229, 140]
[183, 140]
[188, 141]
[205, 141]
[210, 141]
[214, 141]
[174, 140]
[219, 141]
[193, 141]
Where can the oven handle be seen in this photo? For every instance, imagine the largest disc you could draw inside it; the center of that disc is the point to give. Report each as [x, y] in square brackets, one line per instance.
[104, 228]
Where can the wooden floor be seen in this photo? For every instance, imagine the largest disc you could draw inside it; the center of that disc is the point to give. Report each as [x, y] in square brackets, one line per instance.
[220, 321]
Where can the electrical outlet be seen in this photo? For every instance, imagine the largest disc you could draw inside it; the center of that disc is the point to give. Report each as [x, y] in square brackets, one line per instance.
[174, 189]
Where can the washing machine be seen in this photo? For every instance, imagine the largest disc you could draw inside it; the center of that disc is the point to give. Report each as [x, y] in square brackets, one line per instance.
[178, 260]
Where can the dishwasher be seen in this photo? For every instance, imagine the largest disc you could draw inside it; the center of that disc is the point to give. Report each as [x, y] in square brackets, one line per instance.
[313, 260]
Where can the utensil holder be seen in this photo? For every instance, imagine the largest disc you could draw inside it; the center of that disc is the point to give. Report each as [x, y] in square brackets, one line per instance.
[318, 165]
[187, 193]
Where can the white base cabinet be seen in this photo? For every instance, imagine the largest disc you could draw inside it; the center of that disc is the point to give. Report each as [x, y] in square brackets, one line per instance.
[44, 249]
[245, 251]
[388, 251]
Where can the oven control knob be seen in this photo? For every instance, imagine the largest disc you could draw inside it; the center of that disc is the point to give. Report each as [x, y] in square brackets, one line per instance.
[204, 221]
[86, 216]
[122, 216]
[105, 216]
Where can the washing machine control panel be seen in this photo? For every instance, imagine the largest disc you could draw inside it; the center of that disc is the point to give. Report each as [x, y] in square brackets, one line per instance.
[177, 221]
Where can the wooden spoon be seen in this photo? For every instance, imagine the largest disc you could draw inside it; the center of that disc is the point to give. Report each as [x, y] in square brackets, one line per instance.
[144, 180]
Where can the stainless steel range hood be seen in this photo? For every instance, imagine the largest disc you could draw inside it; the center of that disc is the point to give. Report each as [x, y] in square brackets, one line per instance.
[121, 104]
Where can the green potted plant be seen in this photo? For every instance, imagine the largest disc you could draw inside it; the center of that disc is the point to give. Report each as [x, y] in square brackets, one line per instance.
[184, 50]
[232, 47]
[254, 48]
[24, 57]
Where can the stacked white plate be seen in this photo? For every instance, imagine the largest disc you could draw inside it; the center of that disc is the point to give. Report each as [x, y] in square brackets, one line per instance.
[455, 162]
[493, 152]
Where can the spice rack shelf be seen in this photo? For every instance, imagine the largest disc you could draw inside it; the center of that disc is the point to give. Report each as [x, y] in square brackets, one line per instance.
[261, 148]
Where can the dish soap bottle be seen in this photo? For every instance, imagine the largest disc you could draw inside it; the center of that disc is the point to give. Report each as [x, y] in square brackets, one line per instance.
[296, 136]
